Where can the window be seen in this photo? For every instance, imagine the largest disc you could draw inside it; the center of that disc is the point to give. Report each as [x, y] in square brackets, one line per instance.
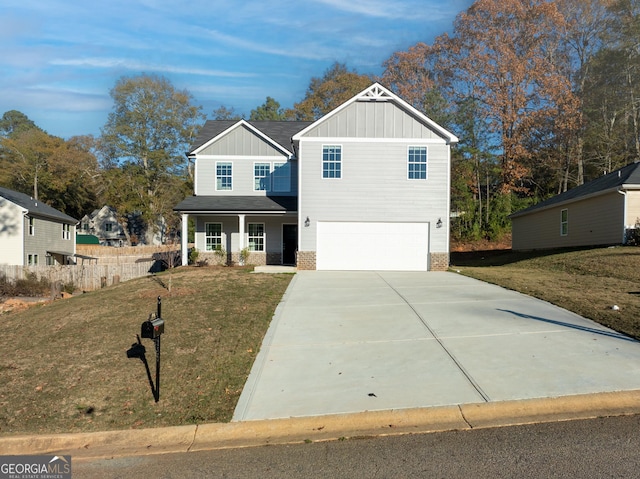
[261, 179]
[417, 163]
[282, 177]
[108, 227]
[564, 222]
[213, 236]
[33, 260]
[66, 232]
[223, 176]
[32, 226]
[85, 226]
[256, 236]
[332, 161]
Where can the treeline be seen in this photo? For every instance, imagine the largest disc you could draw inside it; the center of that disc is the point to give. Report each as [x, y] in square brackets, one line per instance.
[542, 94]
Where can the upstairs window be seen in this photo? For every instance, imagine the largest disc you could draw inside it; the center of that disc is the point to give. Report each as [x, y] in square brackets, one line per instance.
[256, 236]
[213, 236]
[332, 161]
[417, 163]
[564, 222]
[108, 227]
[282, 177]
[32, 226]
[224, 176]
[261, 178]
[66, 232]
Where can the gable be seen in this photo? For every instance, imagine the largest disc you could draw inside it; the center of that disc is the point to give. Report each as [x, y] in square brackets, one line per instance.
[240, 141]
[369, 119]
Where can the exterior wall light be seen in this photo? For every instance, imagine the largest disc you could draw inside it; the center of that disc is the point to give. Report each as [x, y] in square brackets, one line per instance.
[439, 223]
[307, 222]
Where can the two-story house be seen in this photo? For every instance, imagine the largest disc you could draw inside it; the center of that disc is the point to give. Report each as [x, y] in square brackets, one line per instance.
[33, 233]
[366, 187]
[104, 224]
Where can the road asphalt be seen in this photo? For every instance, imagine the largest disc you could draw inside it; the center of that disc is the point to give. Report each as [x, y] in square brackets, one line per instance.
[373, 353]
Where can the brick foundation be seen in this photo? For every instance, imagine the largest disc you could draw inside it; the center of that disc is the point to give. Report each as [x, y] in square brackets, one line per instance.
[439, 261]
[306, 260]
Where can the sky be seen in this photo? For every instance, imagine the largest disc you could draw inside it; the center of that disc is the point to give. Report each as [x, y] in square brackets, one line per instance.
[60, 58]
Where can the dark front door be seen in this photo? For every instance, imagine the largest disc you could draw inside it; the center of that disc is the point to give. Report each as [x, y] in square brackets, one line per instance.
[289, 244]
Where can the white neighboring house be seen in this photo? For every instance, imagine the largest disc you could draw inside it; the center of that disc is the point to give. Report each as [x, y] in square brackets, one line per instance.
[33, 233]
[104, 224]
[366, 187]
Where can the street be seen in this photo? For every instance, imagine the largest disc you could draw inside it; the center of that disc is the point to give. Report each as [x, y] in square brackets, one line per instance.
[603, 447]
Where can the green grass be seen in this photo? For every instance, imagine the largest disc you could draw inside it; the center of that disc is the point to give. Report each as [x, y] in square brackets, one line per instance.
[64, 368]
[588, 282]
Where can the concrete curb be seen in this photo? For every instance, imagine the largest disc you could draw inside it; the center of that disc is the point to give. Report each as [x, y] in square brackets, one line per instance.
[136, 442]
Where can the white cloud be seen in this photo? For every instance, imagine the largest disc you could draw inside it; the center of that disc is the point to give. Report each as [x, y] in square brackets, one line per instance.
[97, 62]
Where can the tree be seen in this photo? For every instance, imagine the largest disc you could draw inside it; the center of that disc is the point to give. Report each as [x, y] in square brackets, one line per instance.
[148, 132]
[269, 110]
[324, 94]
[14, 122]
[224, 113]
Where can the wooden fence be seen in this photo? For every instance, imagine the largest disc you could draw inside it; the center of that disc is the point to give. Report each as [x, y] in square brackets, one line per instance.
[88, 277]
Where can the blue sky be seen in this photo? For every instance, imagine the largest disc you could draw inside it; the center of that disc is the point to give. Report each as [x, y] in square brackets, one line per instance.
[60, 58]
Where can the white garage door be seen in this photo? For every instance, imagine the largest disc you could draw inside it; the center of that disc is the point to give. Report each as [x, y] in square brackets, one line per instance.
[372, 246]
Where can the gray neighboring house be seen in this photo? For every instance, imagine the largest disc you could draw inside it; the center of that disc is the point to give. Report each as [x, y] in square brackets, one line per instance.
[104, 224]
[598, 213]
[366, 187]
[33, 233]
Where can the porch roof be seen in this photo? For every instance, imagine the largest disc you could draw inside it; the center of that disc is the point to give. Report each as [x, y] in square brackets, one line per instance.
[238, 204]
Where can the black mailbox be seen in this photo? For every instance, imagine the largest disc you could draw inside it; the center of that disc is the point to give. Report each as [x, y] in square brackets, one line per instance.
[152, 328]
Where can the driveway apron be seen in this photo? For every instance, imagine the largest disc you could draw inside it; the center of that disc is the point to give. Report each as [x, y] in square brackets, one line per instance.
[343, 342]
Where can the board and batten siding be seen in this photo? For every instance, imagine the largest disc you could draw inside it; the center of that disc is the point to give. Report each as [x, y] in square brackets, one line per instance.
[374, 187]
[592, 221]
[243, 149]
[366, 119]
[11, 233]
[47, 237]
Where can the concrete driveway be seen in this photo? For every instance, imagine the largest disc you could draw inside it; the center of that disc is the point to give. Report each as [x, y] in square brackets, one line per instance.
[343, 342]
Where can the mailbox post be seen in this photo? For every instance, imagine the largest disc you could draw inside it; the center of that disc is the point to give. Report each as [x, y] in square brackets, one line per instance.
[153, 328]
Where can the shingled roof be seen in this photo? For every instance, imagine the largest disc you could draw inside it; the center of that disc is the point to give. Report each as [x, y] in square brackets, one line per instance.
[624, 178]
[236, 204]
[279, 131]
[34, 207]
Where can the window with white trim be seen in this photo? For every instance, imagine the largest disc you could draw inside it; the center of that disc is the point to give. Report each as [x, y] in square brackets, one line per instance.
[256, 236]
[417, 163]
[224, 176]
[66, 231]
[282, 177]
[261, 176]
[32, 226]
[564, 222]
[213, 236]
[33, 260]
[332, 161]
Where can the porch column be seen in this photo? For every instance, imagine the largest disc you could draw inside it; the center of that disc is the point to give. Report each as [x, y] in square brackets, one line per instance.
[184, 240]
[240, 232]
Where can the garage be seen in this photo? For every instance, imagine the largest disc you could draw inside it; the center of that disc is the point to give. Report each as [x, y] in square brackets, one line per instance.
[382, 246]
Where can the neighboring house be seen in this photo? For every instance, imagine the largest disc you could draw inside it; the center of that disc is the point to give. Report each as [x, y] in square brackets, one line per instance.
[596, 213]
[366, 187]
[33, 233]
[104, 224]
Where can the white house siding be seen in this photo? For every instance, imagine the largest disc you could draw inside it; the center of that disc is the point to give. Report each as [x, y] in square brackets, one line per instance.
[11, 233]
[633, 208]
[594, 221]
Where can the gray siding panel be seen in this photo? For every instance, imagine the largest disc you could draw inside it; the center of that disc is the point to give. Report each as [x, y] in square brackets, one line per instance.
[241, 142]
[372, 120]
[593, 221]
[374, 187]
[47, 237]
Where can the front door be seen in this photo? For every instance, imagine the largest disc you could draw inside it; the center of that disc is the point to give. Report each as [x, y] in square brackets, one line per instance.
[289, 244]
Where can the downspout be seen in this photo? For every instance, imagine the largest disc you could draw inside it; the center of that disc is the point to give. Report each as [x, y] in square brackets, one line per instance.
[624, 215]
